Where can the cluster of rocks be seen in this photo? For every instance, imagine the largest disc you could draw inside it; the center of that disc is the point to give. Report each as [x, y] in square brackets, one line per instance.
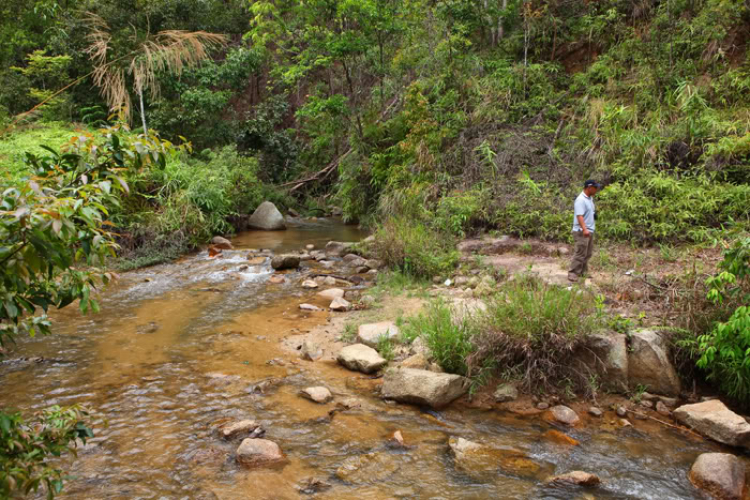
[477, 285]
[410, 382]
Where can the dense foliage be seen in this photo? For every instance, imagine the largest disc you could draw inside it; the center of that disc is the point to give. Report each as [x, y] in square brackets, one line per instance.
[506, 105]
[53, 242]
[26, 446]
[529, 332]
[725, 350]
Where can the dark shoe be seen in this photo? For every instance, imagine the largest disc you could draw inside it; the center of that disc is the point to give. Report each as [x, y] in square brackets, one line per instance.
[572, 277]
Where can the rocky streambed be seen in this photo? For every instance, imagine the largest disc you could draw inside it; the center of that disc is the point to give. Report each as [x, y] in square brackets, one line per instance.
[226, 375]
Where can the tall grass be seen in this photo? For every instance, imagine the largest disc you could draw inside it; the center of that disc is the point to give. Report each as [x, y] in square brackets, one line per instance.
[415, 248]
[533, 329]
[530, 329]
[449, 340]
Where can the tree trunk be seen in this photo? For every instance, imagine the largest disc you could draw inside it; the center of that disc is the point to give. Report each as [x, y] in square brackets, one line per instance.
[382, 66]
[526, 28]
[143, 111]
[554, 38]
[354, 99]
[500, 29]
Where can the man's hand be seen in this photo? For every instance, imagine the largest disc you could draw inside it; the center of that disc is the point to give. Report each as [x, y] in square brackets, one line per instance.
[585, 231]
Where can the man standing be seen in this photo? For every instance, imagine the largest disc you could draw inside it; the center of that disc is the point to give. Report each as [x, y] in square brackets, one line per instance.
[584, 224]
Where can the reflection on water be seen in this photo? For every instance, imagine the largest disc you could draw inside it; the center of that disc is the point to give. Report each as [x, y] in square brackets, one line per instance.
[176, 351]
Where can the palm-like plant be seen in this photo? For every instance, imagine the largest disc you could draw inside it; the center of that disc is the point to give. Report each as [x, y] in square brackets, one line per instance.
[171, 51]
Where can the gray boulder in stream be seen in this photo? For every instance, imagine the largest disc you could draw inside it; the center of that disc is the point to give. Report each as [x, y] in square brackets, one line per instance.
[721, 475]
[713, 419]
[280, 262]
[361, 358]
[423, 387]
[267, 217]
[649, 365]
[606, 355]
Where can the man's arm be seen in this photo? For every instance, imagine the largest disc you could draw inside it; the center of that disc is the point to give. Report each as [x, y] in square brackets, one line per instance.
[582, 223]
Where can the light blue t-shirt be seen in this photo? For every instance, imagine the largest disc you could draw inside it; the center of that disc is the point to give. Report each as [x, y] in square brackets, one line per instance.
[584, 205]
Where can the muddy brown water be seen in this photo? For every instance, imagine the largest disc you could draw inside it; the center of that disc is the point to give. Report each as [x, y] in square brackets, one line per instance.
[177, 349]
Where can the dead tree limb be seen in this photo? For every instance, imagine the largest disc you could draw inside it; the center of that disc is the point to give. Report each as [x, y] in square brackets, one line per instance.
[322, 174]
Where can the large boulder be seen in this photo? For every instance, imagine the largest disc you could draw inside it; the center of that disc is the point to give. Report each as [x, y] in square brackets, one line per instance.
[371, 333]
[285, 261]
[259, 452]
[649, 365]
[721, 475]
[267, 217]
[337, 248]
[221, 243]
[422, 387]
[713, 419]
[362, 358]
[606, 355]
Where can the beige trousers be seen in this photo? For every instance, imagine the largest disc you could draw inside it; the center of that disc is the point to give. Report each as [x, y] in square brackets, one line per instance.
[584, 248]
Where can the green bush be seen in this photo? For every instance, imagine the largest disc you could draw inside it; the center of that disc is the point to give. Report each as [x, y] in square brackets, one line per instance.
[529, 330]
[458, 212]
[726, 355]
[415, 248]
[533, 328]
[450, 341]
[53, 244]
[194, 198]
[725, 350]
[28, 444]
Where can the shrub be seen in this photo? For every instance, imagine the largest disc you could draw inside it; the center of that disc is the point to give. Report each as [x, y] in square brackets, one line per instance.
[449, 340]
[23, 462]
[725, 350]
[530, 329]
[415, 248]
[459, 212]
[726, 354]
[533, 328]
[52, 229]
[195, 198]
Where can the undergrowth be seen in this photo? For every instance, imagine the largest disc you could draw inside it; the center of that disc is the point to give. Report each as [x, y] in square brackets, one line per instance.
[530, 329]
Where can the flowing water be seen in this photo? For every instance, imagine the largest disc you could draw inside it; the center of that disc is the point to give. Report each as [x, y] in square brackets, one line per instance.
[179, 349]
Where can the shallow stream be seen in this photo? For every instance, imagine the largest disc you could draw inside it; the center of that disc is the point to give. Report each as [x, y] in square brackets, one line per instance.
[179, 349]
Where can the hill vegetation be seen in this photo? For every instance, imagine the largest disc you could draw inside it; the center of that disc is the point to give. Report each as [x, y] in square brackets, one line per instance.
[424, 120]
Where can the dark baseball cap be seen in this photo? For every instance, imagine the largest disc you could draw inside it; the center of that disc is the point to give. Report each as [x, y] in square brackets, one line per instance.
[591, 182]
